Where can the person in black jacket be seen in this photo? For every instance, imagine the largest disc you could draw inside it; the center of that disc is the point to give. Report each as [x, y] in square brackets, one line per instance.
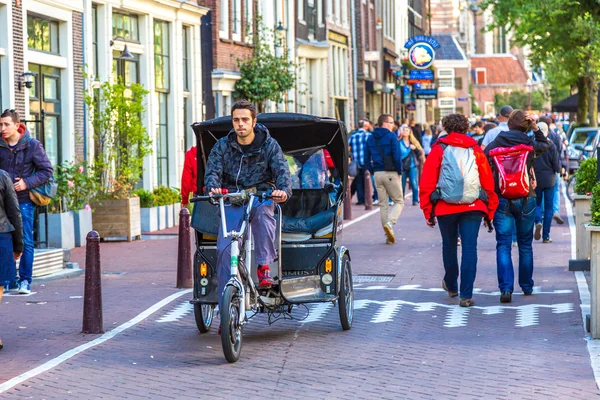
[546, 167]
[519, 212]
[27, 163]
[11, 232]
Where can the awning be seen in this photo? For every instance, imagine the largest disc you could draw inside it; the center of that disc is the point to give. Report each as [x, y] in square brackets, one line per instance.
[570, 104]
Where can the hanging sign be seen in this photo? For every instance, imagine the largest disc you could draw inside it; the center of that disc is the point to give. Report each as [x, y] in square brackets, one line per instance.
[421, 51]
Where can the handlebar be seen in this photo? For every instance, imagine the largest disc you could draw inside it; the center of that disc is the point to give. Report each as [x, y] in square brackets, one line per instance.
[244, 195]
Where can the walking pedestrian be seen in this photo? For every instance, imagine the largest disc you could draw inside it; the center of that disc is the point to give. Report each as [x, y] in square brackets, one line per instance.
[563, 161]
[189, 176]
[546, 167]
[457, 188]
[477, 132]
[383, 160]
[491, 135]
[357, 143]
[412, 154]
[427, 138]
[515, 187]
[25, 160]
[11, 233]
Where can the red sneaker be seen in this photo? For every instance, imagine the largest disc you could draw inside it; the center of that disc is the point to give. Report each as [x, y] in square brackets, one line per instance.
[264, 277]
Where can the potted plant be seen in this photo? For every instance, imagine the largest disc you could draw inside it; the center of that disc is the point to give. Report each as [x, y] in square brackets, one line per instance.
[148, 210]
[167, 199]
[593, 228]
[121, 143]
[585, 181]
[70, 215]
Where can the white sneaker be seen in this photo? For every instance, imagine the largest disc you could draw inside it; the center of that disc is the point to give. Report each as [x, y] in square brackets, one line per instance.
[24, 287]
[375, 202]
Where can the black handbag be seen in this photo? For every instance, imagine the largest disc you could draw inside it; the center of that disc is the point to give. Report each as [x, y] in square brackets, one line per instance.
[407, 161]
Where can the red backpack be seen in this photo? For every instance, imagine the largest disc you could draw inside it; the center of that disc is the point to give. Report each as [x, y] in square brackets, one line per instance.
[511, 163]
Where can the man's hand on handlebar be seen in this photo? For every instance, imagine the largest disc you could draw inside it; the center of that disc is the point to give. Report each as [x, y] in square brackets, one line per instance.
[216, 191]
[279, 196]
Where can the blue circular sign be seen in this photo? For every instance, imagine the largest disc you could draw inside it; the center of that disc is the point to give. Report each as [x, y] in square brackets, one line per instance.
[421, 55]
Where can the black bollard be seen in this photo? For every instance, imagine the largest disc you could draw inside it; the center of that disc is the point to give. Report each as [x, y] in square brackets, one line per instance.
[368, 191]
[348, 201]
[92, 297]
[184, 253]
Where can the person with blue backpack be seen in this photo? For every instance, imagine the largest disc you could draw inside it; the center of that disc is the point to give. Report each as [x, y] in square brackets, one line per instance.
[511, 156]
[457, 189]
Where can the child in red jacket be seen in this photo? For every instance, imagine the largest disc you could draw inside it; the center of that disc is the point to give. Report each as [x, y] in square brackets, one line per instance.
[455, 219]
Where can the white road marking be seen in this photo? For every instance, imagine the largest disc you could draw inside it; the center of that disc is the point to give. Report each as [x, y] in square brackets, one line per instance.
[387, 312]
[456, 317]
[593, 346]
[317, 312]
[79, 349]
[536, 290]
[527, 316]
[178, 313]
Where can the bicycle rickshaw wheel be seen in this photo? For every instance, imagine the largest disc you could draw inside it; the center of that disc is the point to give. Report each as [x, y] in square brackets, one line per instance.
[231, 330]
[346, 295]
[203, 313]
[570, 189]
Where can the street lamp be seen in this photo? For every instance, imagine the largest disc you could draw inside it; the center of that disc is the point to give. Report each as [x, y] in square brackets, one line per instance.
[125, 54]
[26, 79]
[474, 8]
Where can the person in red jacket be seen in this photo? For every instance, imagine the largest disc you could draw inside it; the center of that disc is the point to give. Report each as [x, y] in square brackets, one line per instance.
[189, 175]
[454, 219]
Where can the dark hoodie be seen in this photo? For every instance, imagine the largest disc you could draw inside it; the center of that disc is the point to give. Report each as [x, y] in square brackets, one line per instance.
[27, 160]
[514, 138]
[261, 164]
[388, 143]
[10, 213]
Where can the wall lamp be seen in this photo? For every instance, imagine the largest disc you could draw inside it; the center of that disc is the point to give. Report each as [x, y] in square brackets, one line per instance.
[26, 79]
[125, 54]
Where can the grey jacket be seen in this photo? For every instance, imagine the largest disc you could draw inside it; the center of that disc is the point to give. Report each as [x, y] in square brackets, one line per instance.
[262, 165]
[10, 213]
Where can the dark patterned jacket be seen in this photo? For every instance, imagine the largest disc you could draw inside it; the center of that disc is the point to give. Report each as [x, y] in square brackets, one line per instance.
[10, 213]
[263, 165]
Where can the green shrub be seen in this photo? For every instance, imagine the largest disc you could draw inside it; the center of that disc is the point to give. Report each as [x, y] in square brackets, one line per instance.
[586, 176]
[595, 209]
[146, 198]
[165, 196]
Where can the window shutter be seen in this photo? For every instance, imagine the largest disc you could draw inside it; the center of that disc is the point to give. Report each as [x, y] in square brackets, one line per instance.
[436, 114]
[458, 83]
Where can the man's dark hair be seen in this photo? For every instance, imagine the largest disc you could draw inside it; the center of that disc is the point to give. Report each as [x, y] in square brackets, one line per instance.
[477, 124]
[361, 123]
[518, 121]
[505, 111]
[12, 114]
[455, 123]
[383, 118]
[546, 119]
[244, 105]
[488, 126]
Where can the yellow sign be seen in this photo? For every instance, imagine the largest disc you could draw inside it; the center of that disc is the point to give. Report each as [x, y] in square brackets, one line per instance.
[337, 37]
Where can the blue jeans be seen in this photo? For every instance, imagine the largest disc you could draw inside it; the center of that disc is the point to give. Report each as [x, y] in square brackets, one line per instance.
[412, 174]
[556, 206]
[7, 261]
[543, 213]
[521, 213]
[467, 224]
[26, 264]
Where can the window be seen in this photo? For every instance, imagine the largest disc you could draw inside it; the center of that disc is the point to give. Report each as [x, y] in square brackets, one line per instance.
[186, 56]
[224, 19]
[162, 139]
[447, 107]
[127, 71]
[248, 12]
[336, 11]
[301, 10]
[125, 26]
[480, 76]
[94, 60]
[445, 79]
[44, 103]
[161, 55]
[499, 40]
[320, 19]
[42, 34]
[237, 19]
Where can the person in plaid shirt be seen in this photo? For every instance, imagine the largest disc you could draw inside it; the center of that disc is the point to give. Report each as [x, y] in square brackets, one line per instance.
[357, 144]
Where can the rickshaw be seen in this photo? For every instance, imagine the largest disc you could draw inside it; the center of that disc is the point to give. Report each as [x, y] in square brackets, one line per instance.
[311, 266]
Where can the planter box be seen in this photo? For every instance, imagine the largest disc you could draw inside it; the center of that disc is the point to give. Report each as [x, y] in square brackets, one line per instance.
[83, 226]
[162, 217]
[149, 219]
[176, 211]
[169, 215]
[582, 207]
[117, 218]
[61, 230]
[594, 232]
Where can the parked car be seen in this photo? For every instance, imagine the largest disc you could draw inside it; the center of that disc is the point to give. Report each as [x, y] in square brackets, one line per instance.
[582, 144]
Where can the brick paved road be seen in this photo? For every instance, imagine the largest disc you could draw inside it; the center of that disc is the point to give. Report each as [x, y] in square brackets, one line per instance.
[409, 339]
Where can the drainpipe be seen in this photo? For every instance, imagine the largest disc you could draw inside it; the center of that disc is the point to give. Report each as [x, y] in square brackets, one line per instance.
[85, 109]
[354, 62]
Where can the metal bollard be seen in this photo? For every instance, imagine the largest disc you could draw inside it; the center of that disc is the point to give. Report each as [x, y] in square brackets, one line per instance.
[184, 253]
[368, 191]
[348, 201]
[92, 297]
